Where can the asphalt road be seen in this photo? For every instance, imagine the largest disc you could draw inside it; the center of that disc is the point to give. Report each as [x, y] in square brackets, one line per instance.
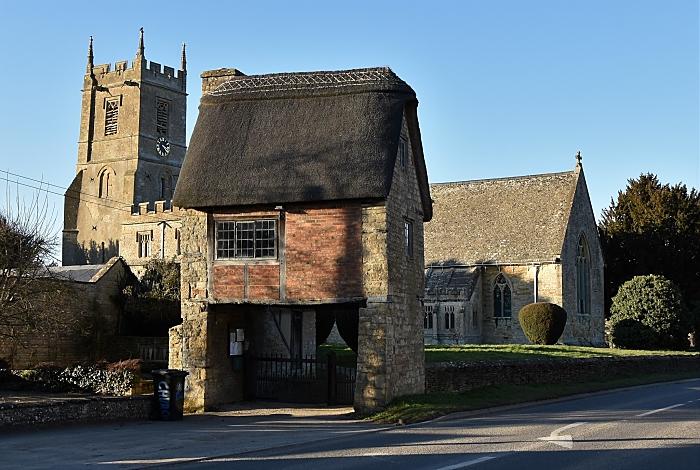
[651, 427]
[655, 427]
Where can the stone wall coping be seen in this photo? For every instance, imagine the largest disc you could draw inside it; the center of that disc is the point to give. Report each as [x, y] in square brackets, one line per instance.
[51, 402]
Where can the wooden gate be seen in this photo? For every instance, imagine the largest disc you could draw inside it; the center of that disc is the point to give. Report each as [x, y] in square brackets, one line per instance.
[300, 380]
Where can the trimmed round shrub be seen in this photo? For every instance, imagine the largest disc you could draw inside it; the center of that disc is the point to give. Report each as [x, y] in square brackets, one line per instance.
[656, 303]
[542, 322]
[629, 333]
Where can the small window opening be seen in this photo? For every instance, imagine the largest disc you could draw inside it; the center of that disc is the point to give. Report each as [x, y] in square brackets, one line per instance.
[162, 117]
[111, 116]
[143, 240]
[408, 237]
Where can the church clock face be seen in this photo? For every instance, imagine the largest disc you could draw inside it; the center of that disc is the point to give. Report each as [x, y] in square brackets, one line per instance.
[163, 146]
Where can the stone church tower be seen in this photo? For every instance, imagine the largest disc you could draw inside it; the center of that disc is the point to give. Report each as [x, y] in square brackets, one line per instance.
[131, 148]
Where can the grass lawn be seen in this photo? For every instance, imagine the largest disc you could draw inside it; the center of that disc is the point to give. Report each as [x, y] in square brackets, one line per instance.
[529, 352]
[417, 408]
[500, 352]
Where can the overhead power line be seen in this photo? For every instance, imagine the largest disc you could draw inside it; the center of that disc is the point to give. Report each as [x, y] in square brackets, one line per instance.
[121, 205]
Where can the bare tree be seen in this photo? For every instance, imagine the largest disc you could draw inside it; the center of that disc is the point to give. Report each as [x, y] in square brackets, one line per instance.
[26, 283]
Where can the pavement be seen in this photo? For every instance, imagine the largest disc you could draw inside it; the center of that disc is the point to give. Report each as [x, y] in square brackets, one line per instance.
[234, 429]
[654, 426]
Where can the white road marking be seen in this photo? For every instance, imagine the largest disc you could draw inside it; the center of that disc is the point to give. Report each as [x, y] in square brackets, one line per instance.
[659, 410]
[151, 461]
[468, 463]
[563, 441]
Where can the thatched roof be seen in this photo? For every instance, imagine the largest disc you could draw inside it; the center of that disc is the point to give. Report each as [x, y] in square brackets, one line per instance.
[500, 221]
[300, 137]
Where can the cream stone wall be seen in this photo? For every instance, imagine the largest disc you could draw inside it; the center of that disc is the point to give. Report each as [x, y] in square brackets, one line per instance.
[583, 329]
[521, 279]
[390, 359]
[158, 219]
[193, 335]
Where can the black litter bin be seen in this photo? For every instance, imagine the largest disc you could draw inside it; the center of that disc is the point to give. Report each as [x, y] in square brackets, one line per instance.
[168, 393]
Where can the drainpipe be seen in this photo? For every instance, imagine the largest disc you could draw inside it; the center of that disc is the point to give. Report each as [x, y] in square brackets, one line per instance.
[162, 240]
[535, 286]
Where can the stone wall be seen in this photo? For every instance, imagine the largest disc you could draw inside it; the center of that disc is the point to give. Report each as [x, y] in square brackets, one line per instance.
[390, 359]
[87, 306]
[521, 280]
[213, 78]
[192, 336]
[75, 410]
[583, 329]
[159, 220]
[461, 377]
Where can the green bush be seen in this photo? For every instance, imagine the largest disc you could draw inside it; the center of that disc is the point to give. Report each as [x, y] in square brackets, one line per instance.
[629, 333]
[542, 322]
[152, 304]
[656, 303]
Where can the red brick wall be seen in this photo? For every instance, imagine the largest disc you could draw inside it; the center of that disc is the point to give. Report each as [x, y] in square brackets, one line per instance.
[324, 252]
[264, 281]
[228, 281]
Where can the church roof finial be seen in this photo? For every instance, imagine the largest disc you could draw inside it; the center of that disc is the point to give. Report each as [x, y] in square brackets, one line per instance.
[90, 59]
[578, 158]
[141, 49]
[183, 59]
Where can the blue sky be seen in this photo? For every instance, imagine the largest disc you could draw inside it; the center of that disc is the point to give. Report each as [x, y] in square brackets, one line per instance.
[505, 87]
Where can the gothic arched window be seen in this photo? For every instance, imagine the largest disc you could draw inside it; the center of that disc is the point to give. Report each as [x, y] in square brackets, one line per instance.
[106, 180]
[583, 277]
[450, 317]
[501, 297]
[428, 319]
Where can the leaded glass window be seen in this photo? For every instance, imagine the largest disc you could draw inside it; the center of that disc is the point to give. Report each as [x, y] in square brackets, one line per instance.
[450, 317]
[501, 298]
[428, 318]
[246, 239]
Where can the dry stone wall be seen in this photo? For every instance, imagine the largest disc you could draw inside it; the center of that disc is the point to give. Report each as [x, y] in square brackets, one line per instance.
[462, 377]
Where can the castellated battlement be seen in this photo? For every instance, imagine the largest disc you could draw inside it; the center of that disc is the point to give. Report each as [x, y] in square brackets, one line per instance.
[151, 207]
[167, 71]
[150, 69]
